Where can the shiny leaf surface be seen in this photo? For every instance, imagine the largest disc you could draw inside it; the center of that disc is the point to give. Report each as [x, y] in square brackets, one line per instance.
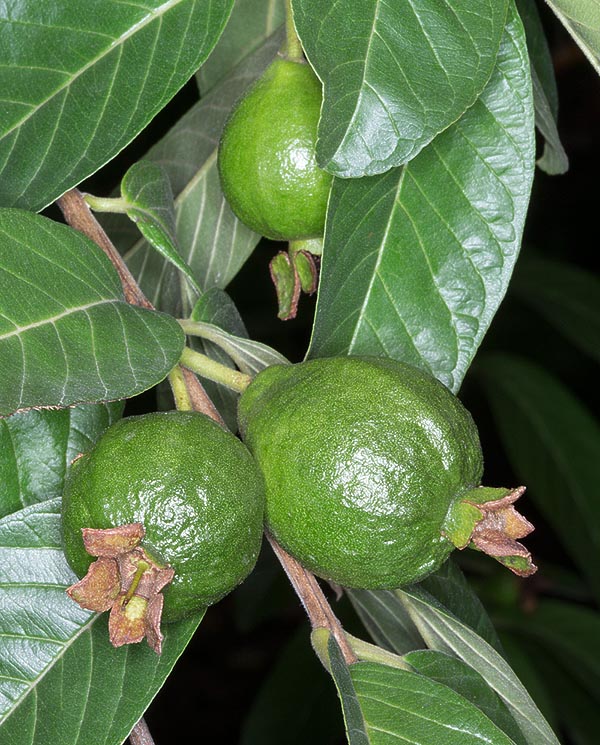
[380, 108]
[417, 261]
[66, 334]
[81, 79]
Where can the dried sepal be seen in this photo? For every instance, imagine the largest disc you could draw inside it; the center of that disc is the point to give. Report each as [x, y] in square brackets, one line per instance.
[126, 580]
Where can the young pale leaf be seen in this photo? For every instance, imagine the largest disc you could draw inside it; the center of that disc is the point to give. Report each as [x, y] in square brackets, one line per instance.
[384, 705]
[149, 203]
[250, 23]
[553, 443]
[79, 83]
[250, 356]
[456, 674]
[567, 297]
[66, 334]
[61, 681]
[36, 447]
[581, 18]
[386, 620]
[444, 632]
[211, 240]
[545, 95]
[395, 74]
[417, 261]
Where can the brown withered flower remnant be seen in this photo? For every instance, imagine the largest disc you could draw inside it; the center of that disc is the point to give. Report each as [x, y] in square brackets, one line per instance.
[126, 580]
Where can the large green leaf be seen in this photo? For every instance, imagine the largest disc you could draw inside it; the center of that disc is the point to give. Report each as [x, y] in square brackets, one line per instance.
[36, 447]
[416, 261]
[80, 79]
[386, 620]
[394, 74]
[384, 705]
[444, 632]
[250, 23]
[212, 241]
[581, 18]
[553, 443]
[66, 334]
[61, 681]
[457, 675]
[566, 296]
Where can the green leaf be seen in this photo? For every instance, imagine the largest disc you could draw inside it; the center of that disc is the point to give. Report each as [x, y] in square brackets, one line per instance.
[395, 74]
[581, 18]
[296, 704]
[80, 81]
[545, 95]
[386, 620]
[440, 235]
[211, 240]
[66, 335]
[456, 674]
[553, 444]
[384, 705]
[250, 23]
[149, 203]
[566, 296]
[36, 448]
[61, 681]
[442, 631]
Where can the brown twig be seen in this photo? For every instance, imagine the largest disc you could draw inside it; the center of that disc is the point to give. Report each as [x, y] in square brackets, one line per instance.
[140, 734]
[79, 216]
[314, 601]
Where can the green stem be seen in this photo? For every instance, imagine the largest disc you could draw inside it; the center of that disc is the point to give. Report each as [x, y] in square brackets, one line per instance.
[293, 46]
[180, 390]
[141, 568]
[215, 371]
[371, 653]
[106, 204]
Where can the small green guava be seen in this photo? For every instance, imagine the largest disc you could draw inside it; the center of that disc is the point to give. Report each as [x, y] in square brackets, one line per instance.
[372, 471]
[165, 500]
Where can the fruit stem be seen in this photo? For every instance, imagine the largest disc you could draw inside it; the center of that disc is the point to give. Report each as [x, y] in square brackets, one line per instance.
[180, 390]
[215, 371]
[314, 601]
[106, 204]
[292, 49]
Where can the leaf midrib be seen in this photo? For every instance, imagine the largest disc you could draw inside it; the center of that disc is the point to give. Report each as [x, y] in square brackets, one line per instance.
[53, 319]
[120, 40]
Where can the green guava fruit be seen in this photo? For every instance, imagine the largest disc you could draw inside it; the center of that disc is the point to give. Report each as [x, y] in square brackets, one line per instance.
[372, 471]
[167, 497]
[267, 163]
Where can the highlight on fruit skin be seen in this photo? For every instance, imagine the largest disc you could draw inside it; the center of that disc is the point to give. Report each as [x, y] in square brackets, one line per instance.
[162, 518]
[373, 470]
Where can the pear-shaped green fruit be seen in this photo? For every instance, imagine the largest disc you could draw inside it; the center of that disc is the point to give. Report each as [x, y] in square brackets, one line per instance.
[193, 486]
[267, 161]
[372, 470]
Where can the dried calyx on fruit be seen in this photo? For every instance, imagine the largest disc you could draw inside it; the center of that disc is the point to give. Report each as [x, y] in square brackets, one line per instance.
[372, 472]
[170, 505]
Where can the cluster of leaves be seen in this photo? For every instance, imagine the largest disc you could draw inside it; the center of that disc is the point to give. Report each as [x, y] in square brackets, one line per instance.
[428, 127]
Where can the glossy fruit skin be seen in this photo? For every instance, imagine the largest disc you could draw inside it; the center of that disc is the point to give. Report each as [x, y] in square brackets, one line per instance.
[267, 161]
[362, 458]
[193, 485]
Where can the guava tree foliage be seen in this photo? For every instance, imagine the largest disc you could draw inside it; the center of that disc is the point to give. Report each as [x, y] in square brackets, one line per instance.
[428, 127]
